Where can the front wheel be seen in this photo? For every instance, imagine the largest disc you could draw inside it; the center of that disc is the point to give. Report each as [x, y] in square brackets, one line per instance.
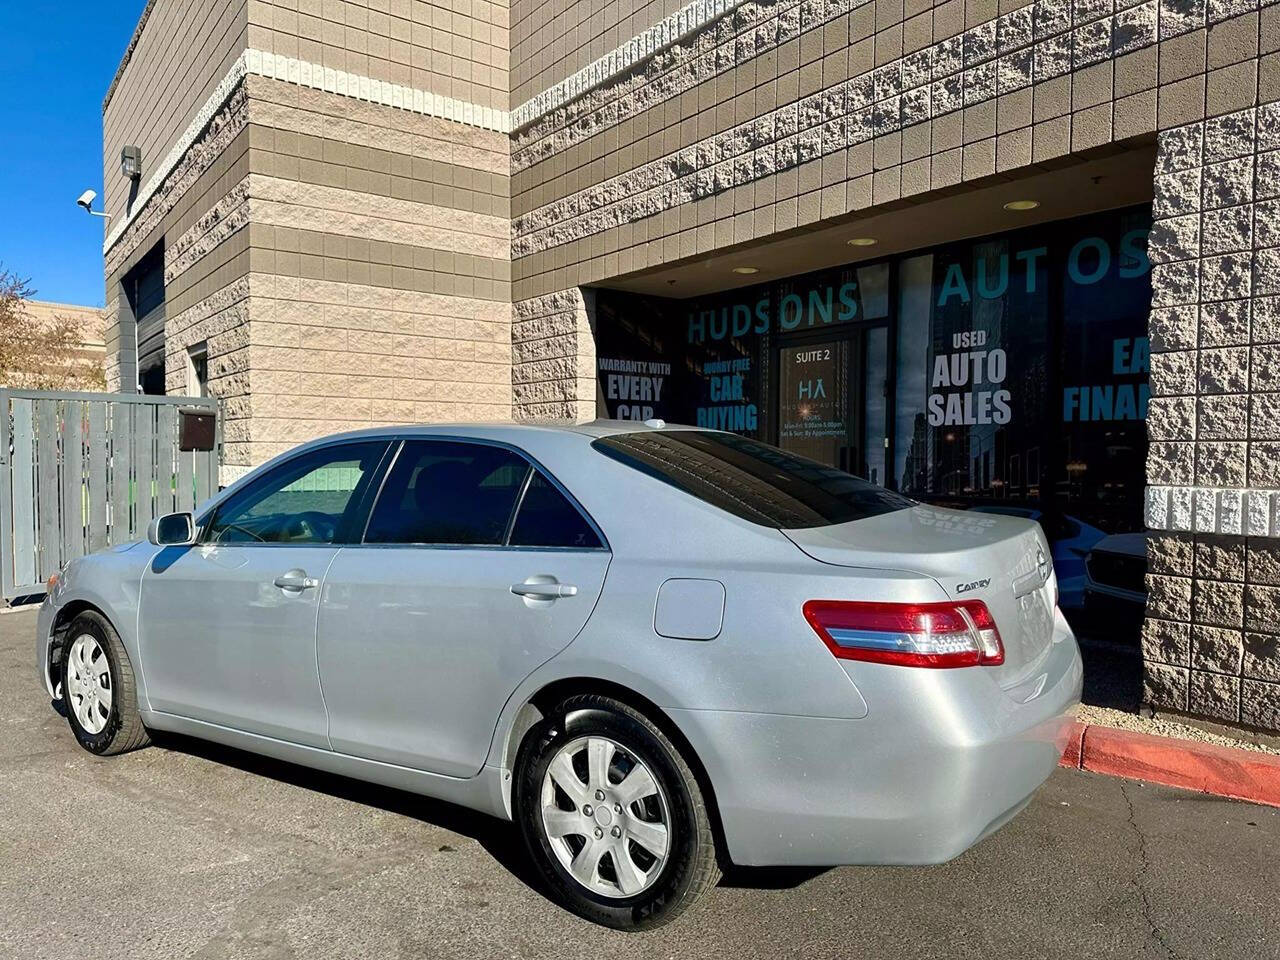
[613, 815]
[98, 688]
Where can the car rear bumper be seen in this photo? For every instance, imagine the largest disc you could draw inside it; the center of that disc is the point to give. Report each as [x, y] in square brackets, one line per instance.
[943, 758]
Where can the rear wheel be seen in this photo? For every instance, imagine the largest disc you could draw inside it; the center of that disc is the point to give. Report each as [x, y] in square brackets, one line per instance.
[98, 688]
[613, 815]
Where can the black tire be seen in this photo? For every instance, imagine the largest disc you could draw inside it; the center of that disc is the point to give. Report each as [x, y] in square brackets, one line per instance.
[690, 869]
[123, 730]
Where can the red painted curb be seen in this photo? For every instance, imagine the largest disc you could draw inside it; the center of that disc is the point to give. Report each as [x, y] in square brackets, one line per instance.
[1071, 755]
[1207, 768]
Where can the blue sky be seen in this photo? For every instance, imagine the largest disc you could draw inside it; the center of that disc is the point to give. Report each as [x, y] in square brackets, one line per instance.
[59, 58]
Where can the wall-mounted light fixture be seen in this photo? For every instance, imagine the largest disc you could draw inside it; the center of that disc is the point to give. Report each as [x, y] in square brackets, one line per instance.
[131, 162]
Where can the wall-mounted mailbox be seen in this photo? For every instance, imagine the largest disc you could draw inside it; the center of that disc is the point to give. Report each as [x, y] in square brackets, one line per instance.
[196, 430]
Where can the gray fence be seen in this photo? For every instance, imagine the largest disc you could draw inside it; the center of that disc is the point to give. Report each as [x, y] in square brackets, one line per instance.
[83, 471]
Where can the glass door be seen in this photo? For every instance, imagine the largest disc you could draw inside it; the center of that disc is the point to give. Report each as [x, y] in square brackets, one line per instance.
[815, 401]
[875, 406]
[832, 403]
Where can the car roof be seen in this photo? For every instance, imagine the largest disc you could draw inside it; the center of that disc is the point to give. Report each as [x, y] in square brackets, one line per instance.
[494, 431]
[507, 431]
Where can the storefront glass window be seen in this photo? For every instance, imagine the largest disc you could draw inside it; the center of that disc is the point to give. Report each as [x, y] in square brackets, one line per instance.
[1007, 373]
[875, 386]
[873, 291]
[1105, 366]
[973, 368]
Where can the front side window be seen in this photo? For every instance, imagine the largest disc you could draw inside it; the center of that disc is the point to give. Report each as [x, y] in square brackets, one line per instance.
[442, 492]
[751, 480]
[308, 500]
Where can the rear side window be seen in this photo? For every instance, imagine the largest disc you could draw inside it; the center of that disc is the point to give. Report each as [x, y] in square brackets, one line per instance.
[751, 480]
[439, 492]
[548, 519]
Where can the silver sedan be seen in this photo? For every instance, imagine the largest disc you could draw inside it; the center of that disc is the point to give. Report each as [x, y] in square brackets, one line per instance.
[655, 648]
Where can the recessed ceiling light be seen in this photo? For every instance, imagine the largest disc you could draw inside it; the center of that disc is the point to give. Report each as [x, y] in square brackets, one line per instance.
[746, 271]
[862, 242]
[1020, 205]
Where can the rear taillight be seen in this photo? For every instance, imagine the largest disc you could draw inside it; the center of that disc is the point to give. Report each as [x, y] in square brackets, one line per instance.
[959, 634]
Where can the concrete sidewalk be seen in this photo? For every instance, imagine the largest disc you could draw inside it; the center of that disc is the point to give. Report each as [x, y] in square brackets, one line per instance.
[193, 850]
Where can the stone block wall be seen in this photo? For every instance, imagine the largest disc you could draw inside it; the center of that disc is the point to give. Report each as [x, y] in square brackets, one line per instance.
[344, 262]
[458, 50]
[1212, 640]
[160, 86]
[220, 322]
[379, 268]
[777, 117]
[198, 213]
[554, 357]
[371, 273]
[551, 41]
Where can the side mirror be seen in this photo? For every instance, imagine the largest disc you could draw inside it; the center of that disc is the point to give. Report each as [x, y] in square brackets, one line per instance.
[172, 530]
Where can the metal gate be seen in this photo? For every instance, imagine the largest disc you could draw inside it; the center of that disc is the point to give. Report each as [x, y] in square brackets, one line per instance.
[83, 471]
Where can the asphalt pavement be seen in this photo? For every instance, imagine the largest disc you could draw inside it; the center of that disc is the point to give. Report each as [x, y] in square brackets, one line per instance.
[192, 850]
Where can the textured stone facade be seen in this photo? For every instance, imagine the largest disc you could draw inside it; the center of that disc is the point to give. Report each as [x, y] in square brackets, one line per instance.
[325, 356]
[340, 261]
[1031, 86]
[869, 118]
[553, 358]
[159, 59]
[455, 50]
[220, 322]
[1211, 639]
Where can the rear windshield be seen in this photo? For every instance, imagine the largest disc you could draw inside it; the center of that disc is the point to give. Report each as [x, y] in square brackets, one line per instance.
[751, 480]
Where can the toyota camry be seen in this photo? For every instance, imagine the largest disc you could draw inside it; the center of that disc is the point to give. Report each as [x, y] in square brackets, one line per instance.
[657, 649]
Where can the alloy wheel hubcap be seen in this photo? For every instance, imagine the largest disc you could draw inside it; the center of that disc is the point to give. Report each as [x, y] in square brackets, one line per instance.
[606, 817]
[89, 693]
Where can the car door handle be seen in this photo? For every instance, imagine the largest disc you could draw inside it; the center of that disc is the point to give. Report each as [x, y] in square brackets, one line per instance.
[296, 580]
[544, 590]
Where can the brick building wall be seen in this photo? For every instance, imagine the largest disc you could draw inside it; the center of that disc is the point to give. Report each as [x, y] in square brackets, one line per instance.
[305, 227]
[458, 50]
[177, 56]
[82, 366]
[1211, 641]
[551, 41]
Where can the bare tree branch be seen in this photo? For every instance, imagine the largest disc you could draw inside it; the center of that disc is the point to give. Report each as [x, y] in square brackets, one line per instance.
[39, 354]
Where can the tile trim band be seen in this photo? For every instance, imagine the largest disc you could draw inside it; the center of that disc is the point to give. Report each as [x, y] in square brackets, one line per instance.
[1216, 510]
[688, 19]
[303, 73]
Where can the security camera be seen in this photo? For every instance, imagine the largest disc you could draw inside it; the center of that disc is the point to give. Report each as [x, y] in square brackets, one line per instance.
[86, 200]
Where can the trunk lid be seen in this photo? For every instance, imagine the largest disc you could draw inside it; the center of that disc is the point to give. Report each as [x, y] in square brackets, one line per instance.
[1002, 561]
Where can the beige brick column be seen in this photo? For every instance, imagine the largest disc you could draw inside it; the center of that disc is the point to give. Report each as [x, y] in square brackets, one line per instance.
[1211, 640]
[553, 357]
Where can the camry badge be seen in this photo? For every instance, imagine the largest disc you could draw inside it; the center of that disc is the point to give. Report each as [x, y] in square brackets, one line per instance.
[972, 585]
